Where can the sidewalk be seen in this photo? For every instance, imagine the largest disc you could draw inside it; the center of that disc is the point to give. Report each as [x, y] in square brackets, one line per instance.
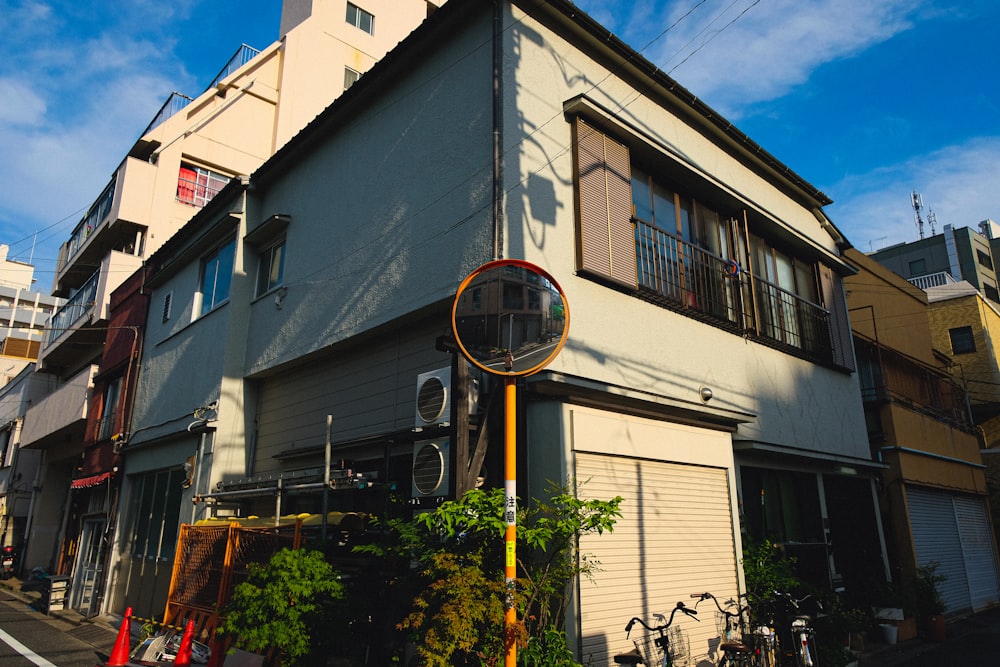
[982, 626]
[99, 631]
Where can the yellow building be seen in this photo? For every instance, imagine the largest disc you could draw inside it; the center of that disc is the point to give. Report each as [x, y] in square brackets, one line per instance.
[933, 493]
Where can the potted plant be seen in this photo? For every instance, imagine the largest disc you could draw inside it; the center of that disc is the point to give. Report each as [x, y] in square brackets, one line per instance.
[929, 604]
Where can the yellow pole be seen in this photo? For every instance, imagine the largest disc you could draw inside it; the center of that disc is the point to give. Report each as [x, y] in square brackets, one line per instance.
[510, 536]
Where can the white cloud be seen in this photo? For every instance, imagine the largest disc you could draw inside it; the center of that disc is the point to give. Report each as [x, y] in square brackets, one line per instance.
[736, 54]
[21, 106]
[956, 183]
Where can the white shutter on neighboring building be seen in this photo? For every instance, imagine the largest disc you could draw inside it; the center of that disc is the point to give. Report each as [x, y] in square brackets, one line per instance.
[953, 531]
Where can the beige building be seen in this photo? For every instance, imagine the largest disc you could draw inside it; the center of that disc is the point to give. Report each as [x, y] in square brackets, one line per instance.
[933, 493]
[188, 152]
[709, 355]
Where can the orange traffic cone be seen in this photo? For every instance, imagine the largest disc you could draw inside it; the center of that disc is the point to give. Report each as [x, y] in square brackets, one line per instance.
[184, 652]
[119, 654]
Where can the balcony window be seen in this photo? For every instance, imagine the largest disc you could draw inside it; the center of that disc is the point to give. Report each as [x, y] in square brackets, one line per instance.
[197, 185]
[658, 234]
[216, 277]
[361, 19]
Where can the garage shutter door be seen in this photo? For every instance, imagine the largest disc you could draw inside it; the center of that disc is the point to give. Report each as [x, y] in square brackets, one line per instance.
[954, 531]
[675, 537]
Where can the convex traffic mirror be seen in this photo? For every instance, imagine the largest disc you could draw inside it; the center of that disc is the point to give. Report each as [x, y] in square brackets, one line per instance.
[510, 317]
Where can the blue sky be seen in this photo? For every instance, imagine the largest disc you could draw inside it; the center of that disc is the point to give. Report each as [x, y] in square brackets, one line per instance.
[868, 100]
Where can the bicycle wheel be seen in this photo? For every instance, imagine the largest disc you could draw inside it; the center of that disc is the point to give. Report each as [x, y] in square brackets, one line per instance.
[805, 648]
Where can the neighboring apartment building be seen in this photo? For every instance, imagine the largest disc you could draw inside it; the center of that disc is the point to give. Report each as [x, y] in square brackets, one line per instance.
[24, 312]
[189, 151]
[934, 493]
[951, 256]
[709, 367]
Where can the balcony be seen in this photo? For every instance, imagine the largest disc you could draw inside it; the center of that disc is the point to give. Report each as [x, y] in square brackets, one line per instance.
[889, 377]
[75, 330]
[60, 417]
[115, 222]
[684, 277]
[932, 280]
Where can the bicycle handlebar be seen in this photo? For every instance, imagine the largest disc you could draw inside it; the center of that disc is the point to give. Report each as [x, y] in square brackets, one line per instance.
[708, 596]
[693, 613]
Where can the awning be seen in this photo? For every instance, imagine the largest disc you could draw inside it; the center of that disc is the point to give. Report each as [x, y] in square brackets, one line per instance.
[93, 480]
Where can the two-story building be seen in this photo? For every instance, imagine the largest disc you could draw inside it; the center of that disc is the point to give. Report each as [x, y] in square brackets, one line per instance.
[188, 152]
[708, 373]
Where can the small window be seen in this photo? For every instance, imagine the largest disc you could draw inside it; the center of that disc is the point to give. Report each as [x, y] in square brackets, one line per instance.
[167, 298]
[991, 292]
[962, 340]
[359, 18]
[271, 267]
[216, 277]
[109, 410]
[918, 267]
[984, 259]
[350, 77]
[197, 185]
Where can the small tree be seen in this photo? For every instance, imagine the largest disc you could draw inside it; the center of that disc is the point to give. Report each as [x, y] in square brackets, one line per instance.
[282, 605]
[457, 612]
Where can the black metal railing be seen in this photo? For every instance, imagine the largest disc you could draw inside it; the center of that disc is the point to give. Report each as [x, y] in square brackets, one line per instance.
[683, 276]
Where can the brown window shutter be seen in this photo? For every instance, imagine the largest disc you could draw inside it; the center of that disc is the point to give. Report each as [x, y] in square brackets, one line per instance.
[605, 233]
[834, 301]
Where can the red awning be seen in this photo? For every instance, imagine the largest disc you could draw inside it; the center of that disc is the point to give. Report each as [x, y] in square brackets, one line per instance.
[93, 480]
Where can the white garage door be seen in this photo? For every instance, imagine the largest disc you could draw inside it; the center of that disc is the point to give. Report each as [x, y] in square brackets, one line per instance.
[675, 537]
[954, 531]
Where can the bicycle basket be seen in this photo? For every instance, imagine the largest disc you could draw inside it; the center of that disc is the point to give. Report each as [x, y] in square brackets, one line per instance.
[652, 653]
[646, 645]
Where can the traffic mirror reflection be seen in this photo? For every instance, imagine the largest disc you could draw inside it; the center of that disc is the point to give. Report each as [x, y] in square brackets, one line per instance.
[510, 317]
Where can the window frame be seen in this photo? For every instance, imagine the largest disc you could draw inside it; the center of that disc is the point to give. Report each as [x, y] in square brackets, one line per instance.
[360, 17]
[197, 185]
[351, 77]
[265, 282]
[218, 258]
[966, 338]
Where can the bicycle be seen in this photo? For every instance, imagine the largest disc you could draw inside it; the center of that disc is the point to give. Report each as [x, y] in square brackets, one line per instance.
[651, 647]
[735, 652]
[796, 636]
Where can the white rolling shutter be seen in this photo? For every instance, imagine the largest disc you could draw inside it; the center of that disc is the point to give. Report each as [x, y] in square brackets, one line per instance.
[675, 538]
[954, 532]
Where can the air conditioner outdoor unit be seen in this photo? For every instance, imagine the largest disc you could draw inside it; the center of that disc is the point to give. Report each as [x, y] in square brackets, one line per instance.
[433, 404]
[433, 400]
[431, 468]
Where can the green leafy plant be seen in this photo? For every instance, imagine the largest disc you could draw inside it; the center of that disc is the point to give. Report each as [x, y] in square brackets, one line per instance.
[283, 605]
[926, 592]
[766, 570]
[456, 613]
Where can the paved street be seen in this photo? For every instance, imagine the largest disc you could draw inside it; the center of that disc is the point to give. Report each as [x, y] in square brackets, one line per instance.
[29, 638]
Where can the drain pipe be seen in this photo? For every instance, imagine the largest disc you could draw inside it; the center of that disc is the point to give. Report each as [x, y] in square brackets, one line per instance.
[497, 131]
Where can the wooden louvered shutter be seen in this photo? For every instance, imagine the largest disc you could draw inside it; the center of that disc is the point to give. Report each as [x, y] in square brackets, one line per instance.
[840, 327]
[605, 232]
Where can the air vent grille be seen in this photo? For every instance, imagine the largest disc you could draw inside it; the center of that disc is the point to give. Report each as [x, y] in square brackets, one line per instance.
[432, 399]
[429, 465]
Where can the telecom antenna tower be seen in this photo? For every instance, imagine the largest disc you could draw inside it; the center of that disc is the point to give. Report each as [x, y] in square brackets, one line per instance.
[917, 205]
